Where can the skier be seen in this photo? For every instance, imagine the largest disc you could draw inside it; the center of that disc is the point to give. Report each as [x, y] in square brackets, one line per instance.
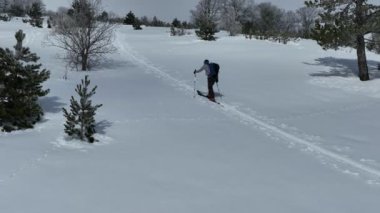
[212, 70]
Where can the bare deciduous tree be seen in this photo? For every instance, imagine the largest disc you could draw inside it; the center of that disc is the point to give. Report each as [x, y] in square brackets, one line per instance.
[288, 28]
[85, 39]
[308, 16]
[231, 15]
[24, 4]
[4, 4]
[205, 17]
[206, 9]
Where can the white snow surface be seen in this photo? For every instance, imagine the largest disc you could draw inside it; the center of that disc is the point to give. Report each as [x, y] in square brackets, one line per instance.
[296, 131]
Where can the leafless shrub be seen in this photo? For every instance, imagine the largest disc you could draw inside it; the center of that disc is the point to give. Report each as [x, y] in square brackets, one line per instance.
[85, 39]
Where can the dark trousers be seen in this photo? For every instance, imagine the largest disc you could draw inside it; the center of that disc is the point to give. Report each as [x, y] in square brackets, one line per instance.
[210, 84]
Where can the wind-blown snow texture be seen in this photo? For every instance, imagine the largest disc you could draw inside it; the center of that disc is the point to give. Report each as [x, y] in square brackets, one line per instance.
[296, 132]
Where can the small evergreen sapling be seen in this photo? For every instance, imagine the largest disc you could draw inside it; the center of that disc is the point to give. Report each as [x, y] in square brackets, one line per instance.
[23, 53]
[80, 121]
[207, 30]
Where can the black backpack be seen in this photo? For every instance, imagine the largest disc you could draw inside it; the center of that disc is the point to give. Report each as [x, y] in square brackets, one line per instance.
[214, 71]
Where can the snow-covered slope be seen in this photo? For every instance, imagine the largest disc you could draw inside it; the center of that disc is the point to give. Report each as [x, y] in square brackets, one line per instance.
[296, 132]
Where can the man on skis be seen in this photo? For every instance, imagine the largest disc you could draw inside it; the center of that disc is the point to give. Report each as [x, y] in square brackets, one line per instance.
[212, 70]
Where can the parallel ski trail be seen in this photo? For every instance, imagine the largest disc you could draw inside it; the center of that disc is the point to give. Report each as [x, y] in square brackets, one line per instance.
[308, 144]
[231, 110]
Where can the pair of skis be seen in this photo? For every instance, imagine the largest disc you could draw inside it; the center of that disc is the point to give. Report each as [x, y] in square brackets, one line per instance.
[205, 96]
[201, 93]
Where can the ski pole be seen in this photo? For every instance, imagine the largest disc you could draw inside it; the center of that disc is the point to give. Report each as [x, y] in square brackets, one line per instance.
[195, 84]
[220, 93]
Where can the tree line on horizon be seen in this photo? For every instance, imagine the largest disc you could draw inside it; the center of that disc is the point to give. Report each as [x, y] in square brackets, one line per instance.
[333, 24]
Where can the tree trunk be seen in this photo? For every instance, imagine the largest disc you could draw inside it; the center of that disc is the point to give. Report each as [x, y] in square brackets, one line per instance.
[84, 62]
[362, 59]
[81, 134]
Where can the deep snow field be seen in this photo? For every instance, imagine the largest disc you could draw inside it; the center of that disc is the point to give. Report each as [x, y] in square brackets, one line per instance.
[296, 131]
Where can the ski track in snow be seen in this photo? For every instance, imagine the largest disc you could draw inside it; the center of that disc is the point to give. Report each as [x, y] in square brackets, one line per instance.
[30, 37]
[306, 143]
[349, 108]
[33, 162]
[60, 143]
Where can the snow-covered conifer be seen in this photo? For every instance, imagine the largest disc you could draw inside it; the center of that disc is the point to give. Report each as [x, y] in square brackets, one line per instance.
[80, 121]
[130, 19]
[345, 24]
[137, 24]
[21, 78]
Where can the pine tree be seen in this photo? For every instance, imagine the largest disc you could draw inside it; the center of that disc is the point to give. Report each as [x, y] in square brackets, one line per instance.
[207, 30]
[176, 28]
[17, 10]
[176, 23]
[345, 24]
[49, 23]
[35, 12]
[104, 16]
[156, 22]
[185, 25]
[23, 53]
[21, 77]
[130, 19]
[137, 24]
[248, 29]
[270, 19]
[80, 121]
